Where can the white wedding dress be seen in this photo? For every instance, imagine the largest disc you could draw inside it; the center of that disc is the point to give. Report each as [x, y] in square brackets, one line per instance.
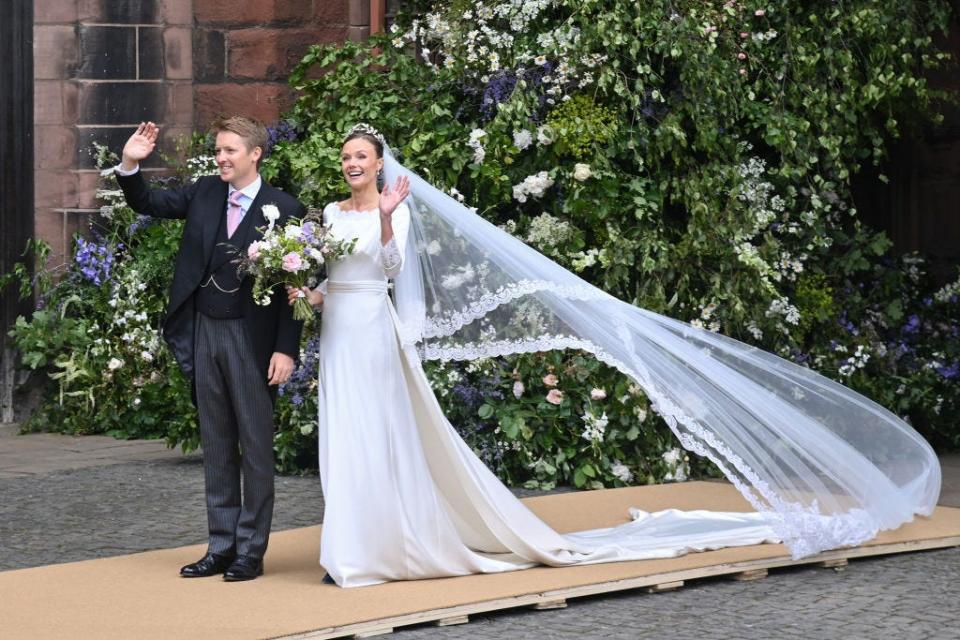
[406, 497]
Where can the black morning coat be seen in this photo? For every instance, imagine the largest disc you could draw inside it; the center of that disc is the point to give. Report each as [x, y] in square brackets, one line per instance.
[203, 204]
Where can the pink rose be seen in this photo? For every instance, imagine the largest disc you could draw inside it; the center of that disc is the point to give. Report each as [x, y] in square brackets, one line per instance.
[741, 56]
[759, 13]
[598, 394]
[292, 262]
[253, 251]
[550, 380]
[555, 396]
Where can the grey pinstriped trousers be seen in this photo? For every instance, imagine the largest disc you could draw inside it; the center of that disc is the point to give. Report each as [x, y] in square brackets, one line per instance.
[236, 415]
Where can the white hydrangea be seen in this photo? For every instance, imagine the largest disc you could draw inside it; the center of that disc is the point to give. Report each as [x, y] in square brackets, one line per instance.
[479, 152]
[522, 139]
[621, 471]
[535, 185]
[594, 427]
[547, 232]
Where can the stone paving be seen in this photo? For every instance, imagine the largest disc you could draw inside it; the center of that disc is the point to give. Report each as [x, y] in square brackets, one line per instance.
[80, 501]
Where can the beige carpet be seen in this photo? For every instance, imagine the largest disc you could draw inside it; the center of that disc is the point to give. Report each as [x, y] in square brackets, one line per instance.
[141, 596]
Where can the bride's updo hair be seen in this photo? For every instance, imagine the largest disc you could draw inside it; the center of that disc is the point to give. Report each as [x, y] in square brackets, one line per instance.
[368, 133]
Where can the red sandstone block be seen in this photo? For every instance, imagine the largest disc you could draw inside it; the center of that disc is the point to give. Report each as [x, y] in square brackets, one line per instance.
[359, 13]
[252, 12]
[331, 13]
[271, 54]
[54, 51]
[55, 189]
[53, 11]
[48, 102]
[87, 184]
[358, 34]
[178, 53]
[54, 146]
[177, 12]
[263, 101]
[180, 107]
[48, 226]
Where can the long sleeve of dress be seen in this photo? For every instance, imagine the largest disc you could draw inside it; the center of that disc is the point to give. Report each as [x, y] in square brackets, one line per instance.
[391, 254]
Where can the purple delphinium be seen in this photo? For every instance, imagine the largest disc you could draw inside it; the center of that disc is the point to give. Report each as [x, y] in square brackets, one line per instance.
[94, 261]
[298, 384]
[913, 325]
[499, 89]
[949, 372]
[283, 130]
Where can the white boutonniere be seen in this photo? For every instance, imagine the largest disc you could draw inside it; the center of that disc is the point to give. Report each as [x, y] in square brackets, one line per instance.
[271, 214]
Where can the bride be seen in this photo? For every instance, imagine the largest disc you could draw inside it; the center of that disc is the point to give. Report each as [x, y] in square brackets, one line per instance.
[407, 498]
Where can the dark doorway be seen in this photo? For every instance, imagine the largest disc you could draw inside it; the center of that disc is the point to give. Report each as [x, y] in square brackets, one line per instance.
[16, 170]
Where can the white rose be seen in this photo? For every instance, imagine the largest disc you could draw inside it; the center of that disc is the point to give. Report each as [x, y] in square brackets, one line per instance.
[114, 364]
[147, 356]
[671, 457]
[598, 394]
[271, 214]
[522, 139]
[581, 172]
[518, 389]
[292, 232]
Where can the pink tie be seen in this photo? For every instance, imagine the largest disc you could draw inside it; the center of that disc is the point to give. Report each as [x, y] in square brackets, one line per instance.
[234, 212]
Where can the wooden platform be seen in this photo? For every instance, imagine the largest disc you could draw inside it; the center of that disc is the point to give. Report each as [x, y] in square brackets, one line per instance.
[140, 596]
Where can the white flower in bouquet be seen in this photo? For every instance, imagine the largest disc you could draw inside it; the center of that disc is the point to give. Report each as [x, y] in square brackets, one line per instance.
[518, 389]
[597, 394]
[292, 231]
[581, 172]
[114, 364]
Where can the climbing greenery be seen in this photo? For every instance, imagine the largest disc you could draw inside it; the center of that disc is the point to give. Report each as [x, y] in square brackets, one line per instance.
[691, 157]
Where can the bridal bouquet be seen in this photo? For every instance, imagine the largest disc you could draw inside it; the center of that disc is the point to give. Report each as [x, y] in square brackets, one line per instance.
[291, 255]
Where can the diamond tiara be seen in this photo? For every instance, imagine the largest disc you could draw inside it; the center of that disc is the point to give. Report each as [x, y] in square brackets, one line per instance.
[363, 127]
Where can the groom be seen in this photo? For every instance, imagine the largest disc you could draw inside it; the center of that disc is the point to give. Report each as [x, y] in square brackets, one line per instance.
[235, 351]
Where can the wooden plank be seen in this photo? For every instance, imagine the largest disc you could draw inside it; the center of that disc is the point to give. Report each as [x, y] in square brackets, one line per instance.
[372, 633]
[752, 574]
[836, 563]
[452, 620]
[550, 604]
[543, 599]
[665, 586]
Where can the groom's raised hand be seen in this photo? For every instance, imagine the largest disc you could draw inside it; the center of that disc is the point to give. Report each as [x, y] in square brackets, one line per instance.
[140, 145]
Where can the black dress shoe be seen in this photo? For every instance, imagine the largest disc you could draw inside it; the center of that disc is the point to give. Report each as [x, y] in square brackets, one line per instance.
[328, 580]
[244, 568]
[212, 564]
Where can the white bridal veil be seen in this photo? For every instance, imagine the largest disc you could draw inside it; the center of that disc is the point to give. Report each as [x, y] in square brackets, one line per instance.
[828, 466]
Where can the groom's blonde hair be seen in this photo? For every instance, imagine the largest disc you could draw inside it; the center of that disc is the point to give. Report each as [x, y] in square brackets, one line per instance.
[253, 133]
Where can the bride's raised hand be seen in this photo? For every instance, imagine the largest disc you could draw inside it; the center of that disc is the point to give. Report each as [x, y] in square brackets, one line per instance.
[390, 198]
[140, 145]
